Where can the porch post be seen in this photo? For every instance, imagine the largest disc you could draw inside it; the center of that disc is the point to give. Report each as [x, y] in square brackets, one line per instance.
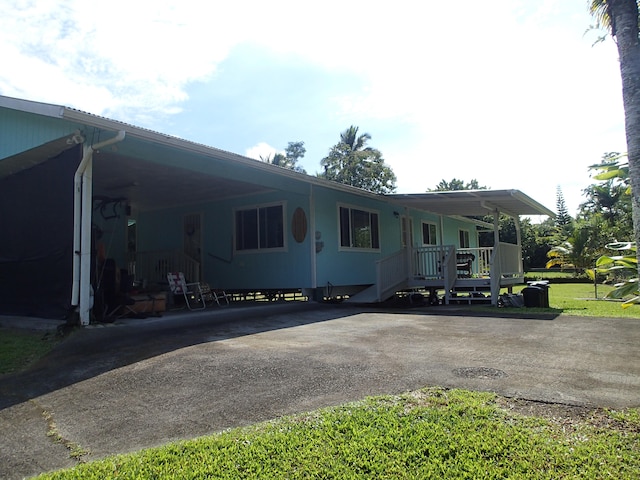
[496, 267]
[516, 221]
[313, 240]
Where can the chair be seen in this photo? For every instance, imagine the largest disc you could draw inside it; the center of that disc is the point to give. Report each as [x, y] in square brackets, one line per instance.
[219, 295]
[464, 263]
[194, 296]
[114, 287]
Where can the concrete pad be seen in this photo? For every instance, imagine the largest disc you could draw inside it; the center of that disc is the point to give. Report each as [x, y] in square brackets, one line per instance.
[146, 382]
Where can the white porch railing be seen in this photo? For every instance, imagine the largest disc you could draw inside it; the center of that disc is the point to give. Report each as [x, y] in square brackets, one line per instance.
[391, 272]
[437, 264]
[481, 265]
[510, 258]
[428, 261]
[153, 267]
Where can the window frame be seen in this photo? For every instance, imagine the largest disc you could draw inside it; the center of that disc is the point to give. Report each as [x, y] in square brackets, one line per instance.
[259, 228]
[435, 233]
[464, 235]
[375, 230]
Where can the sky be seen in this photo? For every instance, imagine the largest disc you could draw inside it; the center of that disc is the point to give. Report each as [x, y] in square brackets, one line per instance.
[515, 96]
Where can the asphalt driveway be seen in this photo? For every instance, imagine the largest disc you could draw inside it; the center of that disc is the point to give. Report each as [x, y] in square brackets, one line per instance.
[146, 382]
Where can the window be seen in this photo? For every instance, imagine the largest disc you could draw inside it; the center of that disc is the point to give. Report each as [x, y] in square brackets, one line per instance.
[259, 228]
[429, 234]
[358, 229]
[464, 239]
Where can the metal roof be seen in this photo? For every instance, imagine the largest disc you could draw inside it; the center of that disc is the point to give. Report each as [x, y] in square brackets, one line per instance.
[473, 202]
[455, 203]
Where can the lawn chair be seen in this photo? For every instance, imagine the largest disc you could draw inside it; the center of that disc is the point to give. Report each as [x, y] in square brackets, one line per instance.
[195, 297]
[221, 297]
[211, 295]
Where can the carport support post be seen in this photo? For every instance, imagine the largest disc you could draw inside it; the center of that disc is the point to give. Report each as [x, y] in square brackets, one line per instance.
[82, 294]
[86, 294]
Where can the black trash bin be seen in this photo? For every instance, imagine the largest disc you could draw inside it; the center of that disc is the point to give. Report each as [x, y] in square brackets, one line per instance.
[536, 295]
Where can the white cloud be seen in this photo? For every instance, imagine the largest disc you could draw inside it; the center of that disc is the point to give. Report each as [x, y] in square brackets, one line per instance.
[261, 151]
[123, 60]
[511, 95]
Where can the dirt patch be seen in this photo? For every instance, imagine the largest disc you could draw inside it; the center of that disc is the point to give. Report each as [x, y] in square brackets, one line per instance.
[567, 416]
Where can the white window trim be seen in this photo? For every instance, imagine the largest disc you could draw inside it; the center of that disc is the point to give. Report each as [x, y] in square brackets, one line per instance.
[435, 225]
[342, 248]
[258, 206]
[468, 235]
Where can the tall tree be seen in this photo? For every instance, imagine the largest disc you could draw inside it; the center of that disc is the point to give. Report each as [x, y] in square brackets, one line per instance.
[289, 159]
[563, 221]
[353, 163]
[456, 184]
[620, 18]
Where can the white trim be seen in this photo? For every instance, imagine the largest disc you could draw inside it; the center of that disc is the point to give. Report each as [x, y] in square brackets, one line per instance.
[342, 248]
[285, 244]
[426, 222]
[468, 232]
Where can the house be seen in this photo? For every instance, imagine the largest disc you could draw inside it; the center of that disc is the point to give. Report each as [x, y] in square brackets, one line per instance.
[79, 192]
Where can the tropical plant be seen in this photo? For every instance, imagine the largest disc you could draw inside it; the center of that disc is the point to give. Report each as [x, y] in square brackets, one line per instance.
[626, 263]
[620, 19]
[353, 163]
[575, 252]
[608, 205]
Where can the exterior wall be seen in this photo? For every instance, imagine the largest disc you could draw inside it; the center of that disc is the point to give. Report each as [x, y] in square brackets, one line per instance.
[451, 236]
[222, 266]
[22, 131]
[338, 266]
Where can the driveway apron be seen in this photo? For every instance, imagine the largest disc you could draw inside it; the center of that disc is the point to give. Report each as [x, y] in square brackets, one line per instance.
[142, 383]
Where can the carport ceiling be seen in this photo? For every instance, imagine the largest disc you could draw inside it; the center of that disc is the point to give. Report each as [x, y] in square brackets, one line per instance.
[474, 202]
[151, 186]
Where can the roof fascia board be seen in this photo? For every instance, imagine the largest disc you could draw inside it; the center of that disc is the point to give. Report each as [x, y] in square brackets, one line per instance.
[532, 203]
[28, 106]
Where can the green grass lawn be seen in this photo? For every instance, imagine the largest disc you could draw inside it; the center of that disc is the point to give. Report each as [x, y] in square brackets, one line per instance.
[430, 433]
[20, 348]
[581, 299]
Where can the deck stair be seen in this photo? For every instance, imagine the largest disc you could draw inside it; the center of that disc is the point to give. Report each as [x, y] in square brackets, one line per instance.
[470, 291]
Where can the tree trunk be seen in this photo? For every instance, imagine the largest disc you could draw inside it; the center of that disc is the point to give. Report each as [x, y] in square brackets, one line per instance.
[624, 17]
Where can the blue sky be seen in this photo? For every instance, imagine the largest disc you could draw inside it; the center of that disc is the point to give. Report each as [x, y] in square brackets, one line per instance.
[514, 96]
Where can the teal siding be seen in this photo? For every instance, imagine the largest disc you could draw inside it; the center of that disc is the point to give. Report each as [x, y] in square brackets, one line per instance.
[23, 131]
[222, 267]
[343, 267]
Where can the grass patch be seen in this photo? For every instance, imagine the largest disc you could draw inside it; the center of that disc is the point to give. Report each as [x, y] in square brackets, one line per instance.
[430, 433]
[579, 299]
[20, 348]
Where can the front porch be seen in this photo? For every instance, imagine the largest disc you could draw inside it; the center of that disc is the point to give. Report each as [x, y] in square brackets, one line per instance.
[467, 275]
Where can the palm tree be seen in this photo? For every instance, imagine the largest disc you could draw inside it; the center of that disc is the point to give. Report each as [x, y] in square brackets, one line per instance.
[620, 18]
[354, 141]
[353, 163]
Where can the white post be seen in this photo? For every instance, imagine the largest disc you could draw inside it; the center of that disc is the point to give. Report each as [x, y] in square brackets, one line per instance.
[86, 291]
[82, 292]
[496, 267]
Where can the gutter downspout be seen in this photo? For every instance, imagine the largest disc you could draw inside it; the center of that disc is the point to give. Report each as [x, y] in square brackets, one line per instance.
[83, 192]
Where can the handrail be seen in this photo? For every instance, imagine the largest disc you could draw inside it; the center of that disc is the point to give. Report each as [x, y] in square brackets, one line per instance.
[153, 266]
[391, 271]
